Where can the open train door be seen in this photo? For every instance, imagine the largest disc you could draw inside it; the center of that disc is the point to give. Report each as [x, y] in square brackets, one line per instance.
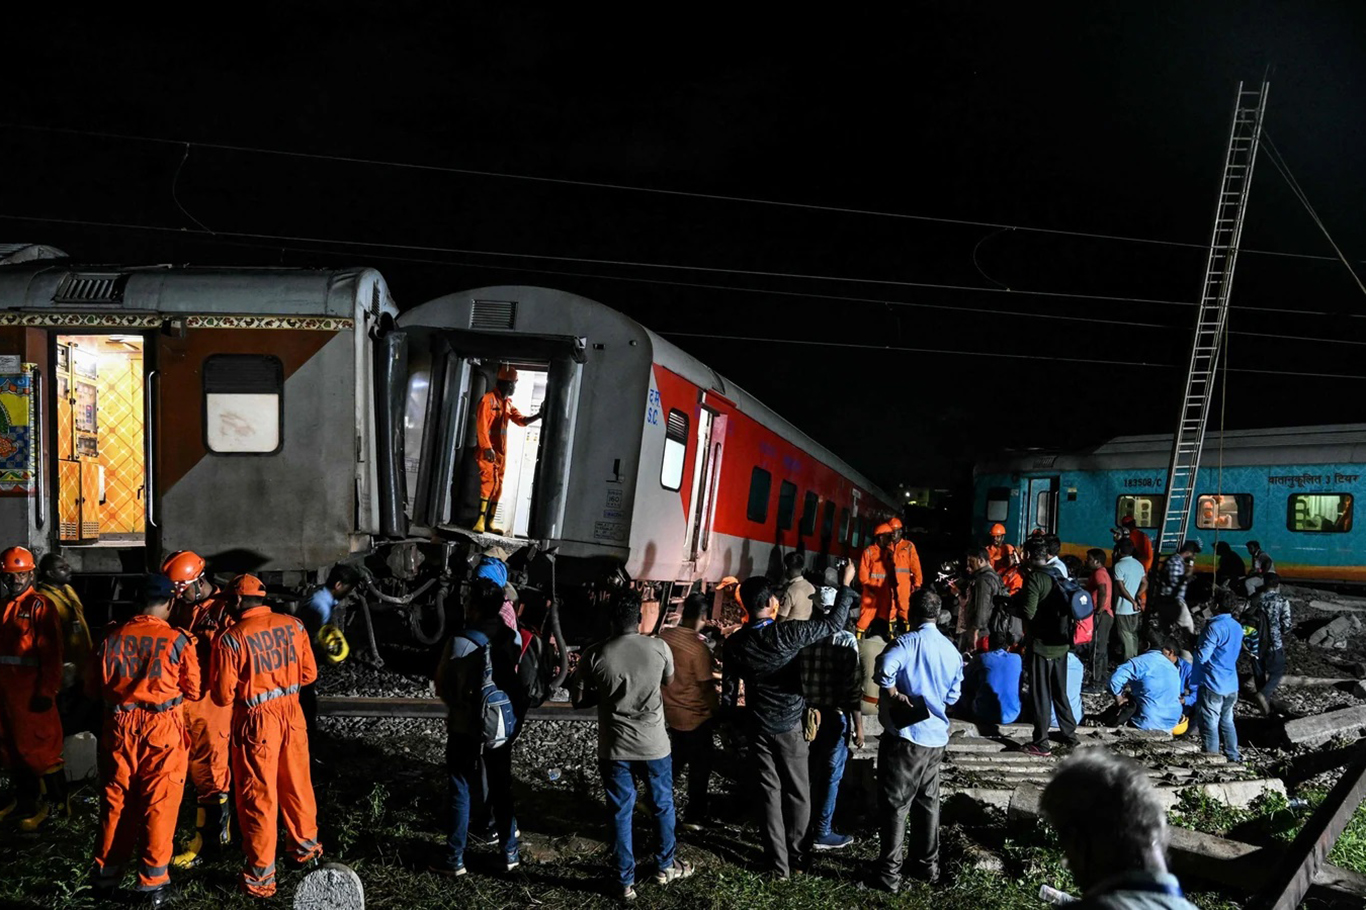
[711, 446]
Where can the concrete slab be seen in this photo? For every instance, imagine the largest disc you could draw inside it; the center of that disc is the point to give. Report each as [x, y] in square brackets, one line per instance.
[1344, 721]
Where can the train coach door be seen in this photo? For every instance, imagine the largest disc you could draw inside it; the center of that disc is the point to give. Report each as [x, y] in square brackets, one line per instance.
[711, 436]
[1040, 510]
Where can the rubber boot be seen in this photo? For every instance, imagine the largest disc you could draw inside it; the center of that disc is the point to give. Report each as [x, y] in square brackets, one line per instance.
[53, 799]
[483, 512]
[493, 510]
[211, 832]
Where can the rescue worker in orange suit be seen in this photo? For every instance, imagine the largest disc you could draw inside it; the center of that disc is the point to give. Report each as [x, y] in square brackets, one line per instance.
[30, 676]
[906, 561]
[259, 666]
[77, 711]
[1013, 577]
[998, 550]
[143, 671]
[491, 419]
[202, 610]
[875, 573]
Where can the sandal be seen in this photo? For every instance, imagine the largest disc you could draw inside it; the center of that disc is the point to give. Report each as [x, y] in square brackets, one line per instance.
[678, 870]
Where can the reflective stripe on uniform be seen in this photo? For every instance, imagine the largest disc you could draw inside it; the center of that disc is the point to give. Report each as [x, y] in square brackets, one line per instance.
[151, 709]
[906, 570]
[304, 848]
[8, 661]
[178, 647]
[262, 697]
[232, 642]
[877, 574]
[260, 875]
[154, 874]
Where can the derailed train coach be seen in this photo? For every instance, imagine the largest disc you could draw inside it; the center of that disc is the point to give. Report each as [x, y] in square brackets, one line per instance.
[282, 421]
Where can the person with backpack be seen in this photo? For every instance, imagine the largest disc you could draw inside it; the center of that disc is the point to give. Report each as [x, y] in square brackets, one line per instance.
[1047, 610]
[478, 681]
[623, 676]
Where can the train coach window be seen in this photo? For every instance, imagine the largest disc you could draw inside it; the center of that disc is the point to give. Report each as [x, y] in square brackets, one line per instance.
[675, 450]
[243, 410]
[1146, 511]
[998, 503]
[1224, 512]
[828, 521]
[787, 504]
[856, 534]
[809, 509]
[1329, 513]
[844, 526]
[760, 485]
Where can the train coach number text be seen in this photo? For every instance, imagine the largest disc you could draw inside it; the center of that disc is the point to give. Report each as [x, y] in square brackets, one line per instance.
[652, 408]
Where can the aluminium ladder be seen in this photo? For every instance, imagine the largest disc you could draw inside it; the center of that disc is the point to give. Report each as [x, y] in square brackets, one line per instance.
[1210, 322]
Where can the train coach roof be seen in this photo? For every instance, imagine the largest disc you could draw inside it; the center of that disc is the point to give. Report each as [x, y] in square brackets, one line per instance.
[37, 284]
[560, 312]
[1334, 443]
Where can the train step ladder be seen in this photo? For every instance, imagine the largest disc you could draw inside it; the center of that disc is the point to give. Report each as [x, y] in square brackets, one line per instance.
[1211, 320]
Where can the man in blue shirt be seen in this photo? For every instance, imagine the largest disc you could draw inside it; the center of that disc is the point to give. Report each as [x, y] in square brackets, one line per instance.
[1131, 582]
[1153, 686]
[919, 676]
[1216, 661]
[315, 612]
[1075, 671]
[994, 678]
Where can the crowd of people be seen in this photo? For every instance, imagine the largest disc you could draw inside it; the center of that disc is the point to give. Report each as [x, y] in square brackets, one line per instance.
[215, 687]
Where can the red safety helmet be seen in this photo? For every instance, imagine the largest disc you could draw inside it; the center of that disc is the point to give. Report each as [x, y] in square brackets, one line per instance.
[16, 559]
[183, 566]
[506, 372]
[998, 528]
[248, 586]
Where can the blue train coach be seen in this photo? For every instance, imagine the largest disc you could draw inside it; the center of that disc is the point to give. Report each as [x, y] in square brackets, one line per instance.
[1292, 489]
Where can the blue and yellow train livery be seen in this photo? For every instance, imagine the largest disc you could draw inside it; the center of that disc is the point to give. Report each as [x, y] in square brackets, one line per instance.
[1291, 489]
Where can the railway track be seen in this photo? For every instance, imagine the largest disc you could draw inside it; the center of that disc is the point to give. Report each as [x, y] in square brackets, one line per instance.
[428, 708]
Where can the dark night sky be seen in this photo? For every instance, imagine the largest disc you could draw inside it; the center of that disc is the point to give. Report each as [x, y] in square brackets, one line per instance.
[1095, 121]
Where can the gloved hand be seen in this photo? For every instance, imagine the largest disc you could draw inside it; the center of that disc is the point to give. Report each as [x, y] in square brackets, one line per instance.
[40, 704]
[858, 634]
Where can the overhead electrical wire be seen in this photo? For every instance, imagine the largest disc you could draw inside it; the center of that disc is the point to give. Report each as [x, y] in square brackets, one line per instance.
[605, 185]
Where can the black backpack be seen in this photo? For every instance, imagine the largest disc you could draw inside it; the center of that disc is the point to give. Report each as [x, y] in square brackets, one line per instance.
[531, 669]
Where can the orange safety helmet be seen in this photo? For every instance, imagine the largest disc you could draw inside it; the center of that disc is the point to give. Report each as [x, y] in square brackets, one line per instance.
[16, 559]
[998, 528]
[183, 566]
[881, 529]
[506, 372]
[895, 523]
[248, 586]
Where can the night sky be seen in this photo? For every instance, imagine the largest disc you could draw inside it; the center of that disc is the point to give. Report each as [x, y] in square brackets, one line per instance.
[1086, 120]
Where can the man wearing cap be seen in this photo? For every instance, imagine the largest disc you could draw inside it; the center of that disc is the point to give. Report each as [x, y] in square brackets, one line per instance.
[259, 666]
[142, 672]
[30, 675]
[491, 418]
[907, 577]
[201, 609]
[998, 551]
[874, 574]
[1143, 544]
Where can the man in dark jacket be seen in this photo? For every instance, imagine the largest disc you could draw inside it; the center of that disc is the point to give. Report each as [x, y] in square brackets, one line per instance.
[763, 654]
[978, 599]
[1048, 630]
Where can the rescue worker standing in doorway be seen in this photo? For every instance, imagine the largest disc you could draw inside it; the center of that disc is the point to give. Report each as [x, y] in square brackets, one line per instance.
[259, 666]
[143, 671]
[906, 561]
[202, 610]
[875, 573]
[491, 419]
[30, 676]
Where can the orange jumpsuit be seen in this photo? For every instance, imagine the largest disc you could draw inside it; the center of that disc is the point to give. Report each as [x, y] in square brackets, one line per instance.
[1143, 549]
[906, 561]
[142, 672]
[259, 665]
[209, 724]
[1013, 579]
[873, 571]
[491, 430]
[1000, 557]
[31, 654]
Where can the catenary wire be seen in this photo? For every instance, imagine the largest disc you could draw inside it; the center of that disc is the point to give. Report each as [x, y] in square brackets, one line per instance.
[715, 197]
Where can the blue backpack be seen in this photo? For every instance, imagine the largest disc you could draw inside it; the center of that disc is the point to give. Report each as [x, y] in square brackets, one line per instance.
[494, 719]
[1078, 598]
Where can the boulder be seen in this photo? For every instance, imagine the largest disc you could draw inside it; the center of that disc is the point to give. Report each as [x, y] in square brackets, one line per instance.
[333, 887]
[1337, 633]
